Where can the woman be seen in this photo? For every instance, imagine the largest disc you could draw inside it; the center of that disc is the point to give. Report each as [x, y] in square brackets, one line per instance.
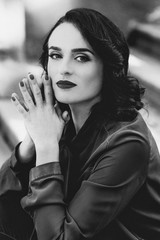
[89, 166]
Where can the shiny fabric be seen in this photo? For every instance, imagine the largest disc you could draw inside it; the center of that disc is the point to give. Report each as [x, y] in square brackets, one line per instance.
[106, 186]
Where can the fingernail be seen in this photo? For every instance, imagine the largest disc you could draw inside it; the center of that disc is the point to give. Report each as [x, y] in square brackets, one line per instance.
[46, 77]
[13, 98]
[22, 84]
[68, 117]
[31, 76]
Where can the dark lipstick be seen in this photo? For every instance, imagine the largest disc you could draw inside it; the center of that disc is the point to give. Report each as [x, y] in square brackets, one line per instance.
[64, 84]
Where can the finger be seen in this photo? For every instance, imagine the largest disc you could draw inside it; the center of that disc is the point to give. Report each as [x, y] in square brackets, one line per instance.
[48, 91]
[27, 98]
[65, 116]
[42, 84]
[21, 102]
[19, 106]
[42, 91]
[58, 110]
[28, 86]
[36, 89]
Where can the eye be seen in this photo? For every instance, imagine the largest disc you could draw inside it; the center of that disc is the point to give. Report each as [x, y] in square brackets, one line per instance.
[55, 56]
[82, 58]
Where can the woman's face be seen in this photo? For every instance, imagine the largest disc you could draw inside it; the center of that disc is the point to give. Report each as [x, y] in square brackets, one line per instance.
[76, 71]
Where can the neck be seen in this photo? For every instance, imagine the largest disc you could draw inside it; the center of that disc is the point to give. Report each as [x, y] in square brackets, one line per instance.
[80, 113]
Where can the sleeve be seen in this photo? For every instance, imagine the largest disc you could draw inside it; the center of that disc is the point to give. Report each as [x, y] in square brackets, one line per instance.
[14, 179]
[14, 176]
[119, 172]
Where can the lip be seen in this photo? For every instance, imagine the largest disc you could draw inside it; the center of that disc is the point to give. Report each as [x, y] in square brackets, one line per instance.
[64, 84]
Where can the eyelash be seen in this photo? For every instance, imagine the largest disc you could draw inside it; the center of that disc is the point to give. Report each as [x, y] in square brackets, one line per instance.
[51, 55]
[83, 58]
[56, 56]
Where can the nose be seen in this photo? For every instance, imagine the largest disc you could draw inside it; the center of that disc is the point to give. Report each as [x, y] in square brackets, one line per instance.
[65, 67]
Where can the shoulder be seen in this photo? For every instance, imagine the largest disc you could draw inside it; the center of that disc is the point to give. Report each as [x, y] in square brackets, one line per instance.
[135, 130]
[126, 138]
[124, 153]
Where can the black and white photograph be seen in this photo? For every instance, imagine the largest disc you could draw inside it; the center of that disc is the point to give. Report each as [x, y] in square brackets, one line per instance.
[79, 120]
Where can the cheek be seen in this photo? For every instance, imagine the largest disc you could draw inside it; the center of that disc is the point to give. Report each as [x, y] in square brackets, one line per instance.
[52, 71]
[94, 78]
[50, 67]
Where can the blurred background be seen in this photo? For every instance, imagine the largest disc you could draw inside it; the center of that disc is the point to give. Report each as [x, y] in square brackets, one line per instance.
[23, 27]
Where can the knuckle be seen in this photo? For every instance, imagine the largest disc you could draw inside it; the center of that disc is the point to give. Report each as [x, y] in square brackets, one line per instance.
[21, 110]
[16, 104]
[48, 93]
[29, 101]
[38, 92]
[47, 84]
[23, 90]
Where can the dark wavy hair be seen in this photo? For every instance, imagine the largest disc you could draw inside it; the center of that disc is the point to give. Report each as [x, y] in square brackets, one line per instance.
[121, 94]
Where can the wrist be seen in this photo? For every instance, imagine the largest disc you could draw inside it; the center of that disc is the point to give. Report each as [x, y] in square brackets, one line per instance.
[26, 151]
[46, 154]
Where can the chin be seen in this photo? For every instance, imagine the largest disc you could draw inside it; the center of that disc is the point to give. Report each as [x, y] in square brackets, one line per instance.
[64, 100]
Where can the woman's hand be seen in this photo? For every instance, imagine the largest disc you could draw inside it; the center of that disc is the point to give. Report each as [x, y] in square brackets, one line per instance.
[43, 120]
[26, 150]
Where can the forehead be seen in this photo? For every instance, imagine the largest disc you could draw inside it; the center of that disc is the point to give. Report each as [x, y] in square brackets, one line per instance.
[67, 35]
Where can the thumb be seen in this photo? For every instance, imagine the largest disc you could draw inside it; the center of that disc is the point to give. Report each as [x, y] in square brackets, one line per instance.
[65, 116]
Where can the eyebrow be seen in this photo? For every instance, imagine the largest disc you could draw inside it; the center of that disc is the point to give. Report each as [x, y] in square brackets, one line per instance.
[74, 50]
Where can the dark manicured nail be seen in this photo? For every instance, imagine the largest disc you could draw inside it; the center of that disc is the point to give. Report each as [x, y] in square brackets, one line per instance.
[13, 98]
[22, 84]
[31, 76]
[46, 77]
